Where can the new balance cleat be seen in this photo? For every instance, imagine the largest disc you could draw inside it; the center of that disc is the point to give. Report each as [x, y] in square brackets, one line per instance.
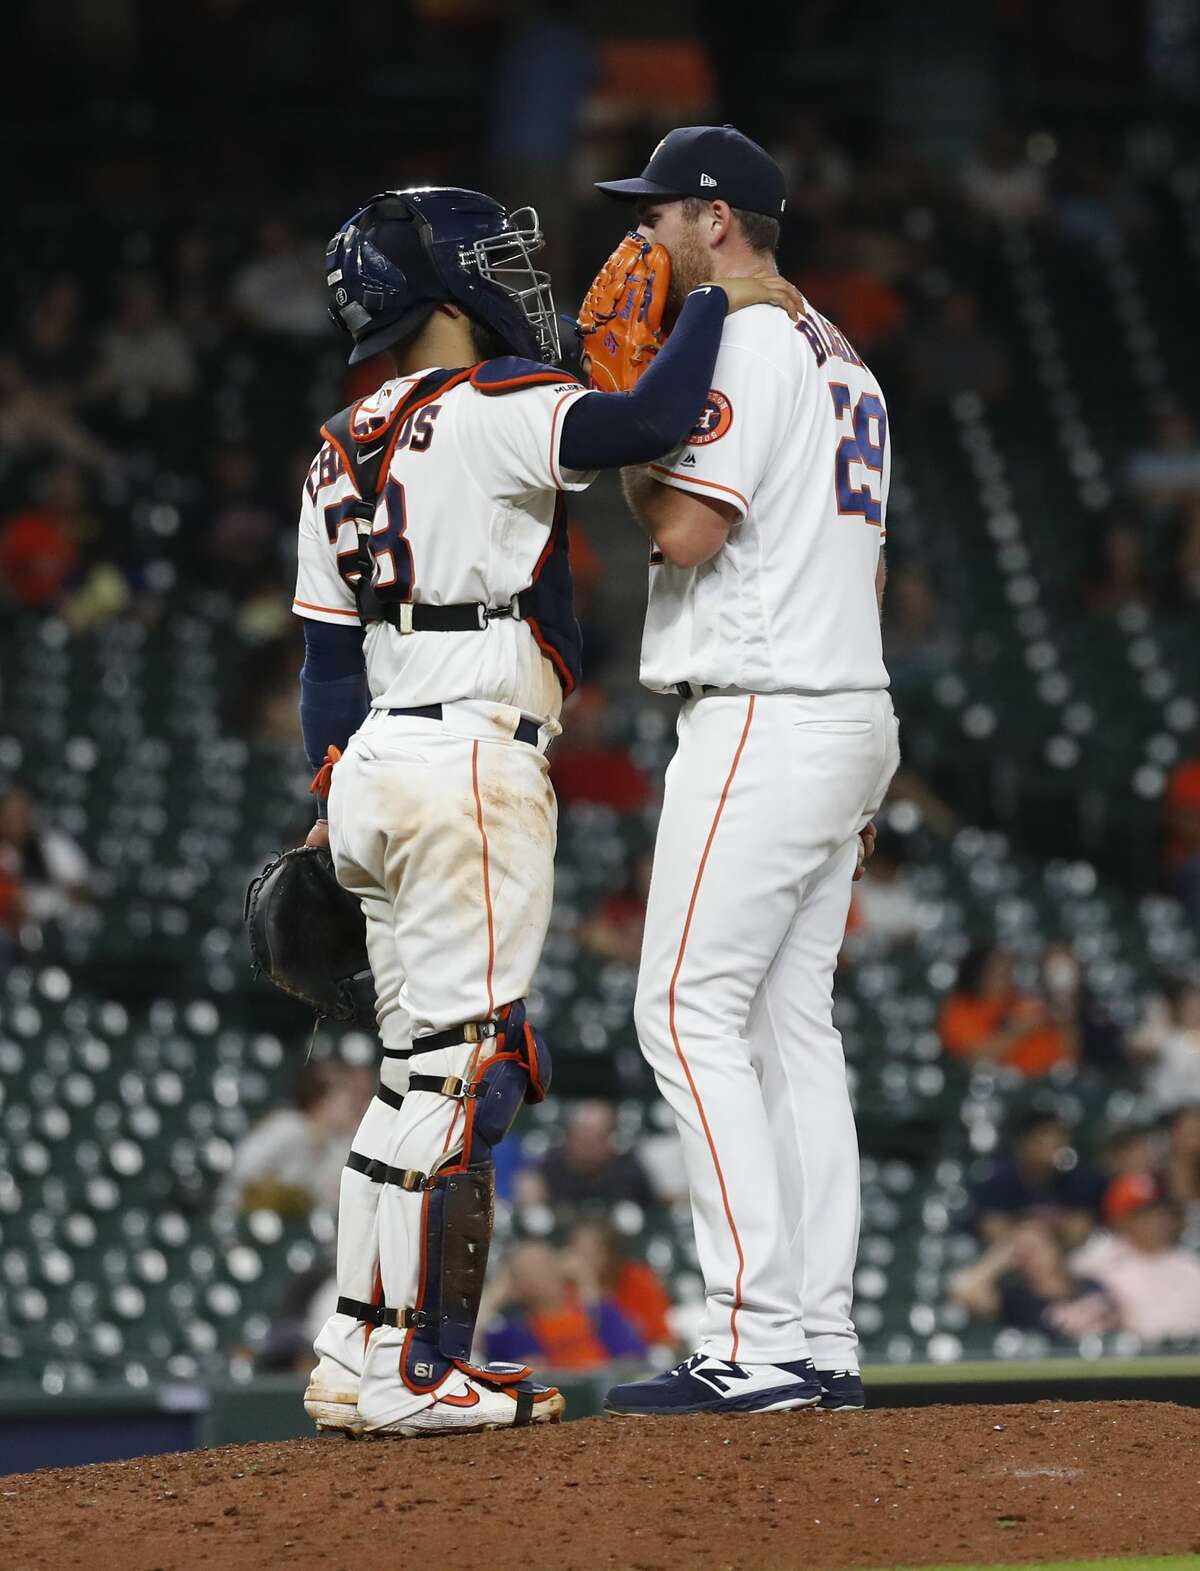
[715, 1385]
[841, 1390]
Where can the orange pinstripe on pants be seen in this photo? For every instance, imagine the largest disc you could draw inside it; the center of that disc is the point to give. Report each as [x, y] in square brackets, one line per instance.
[712, 834]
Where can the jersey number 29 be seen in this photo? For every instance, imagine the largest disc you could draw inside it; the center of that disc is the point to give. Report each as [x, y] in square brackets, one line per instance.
[864, 443]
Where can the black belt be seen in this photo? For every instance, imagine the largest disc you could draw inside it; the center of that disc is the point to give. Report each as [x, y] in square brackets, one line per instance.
[527, 730]
[471, 617]
[693, 689]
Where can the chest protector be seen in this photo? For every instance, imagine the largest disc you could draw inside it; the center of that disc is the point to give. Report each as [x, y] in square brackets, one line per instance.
[546, 605]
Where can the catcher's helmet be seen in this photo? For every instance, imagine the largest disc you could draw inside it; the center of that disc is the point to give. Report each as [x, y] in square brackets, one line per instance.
[406, 252]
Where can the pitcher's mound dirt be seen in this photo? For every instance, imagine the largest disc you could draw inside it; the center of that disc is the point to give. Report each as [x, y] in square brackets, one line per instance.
[785, 1492]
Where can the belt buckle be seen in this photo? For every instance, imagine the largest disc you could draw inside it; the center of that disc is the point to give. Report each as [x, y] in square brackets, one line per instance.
[479, 1030]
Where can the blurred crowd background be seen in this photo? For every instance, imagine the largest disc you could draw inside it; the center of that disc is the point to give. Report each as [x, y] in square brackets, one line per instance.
[1000, 206]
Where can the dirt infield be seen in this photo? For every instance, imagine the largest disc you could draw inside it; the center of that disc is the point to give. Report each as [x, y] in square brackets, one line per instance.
[786, 1492]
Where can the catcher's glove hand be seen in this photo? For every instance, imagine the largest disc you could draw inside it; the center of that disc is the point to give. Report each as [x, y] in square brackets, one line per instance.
[620, 321]
[309, 936]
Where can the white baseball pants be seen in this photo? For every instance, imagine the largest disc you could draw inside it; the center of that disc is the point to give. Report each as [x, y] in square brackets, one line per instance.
[446, 832]
[756, 852]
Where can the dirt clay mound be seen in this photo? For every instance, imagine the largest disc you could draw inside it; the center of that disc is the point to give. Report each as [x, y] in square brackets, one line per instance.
[781, 1492]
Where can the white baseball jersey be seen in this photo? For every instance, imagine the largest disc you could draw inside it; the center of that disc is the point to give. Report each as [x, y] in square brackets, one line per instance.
[794, 435]
[464, 516]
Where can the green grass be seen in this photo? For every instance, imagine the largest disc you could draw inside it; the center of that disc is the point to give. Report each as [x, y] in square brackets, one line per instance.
[1042, 1369]
[1126, 1563]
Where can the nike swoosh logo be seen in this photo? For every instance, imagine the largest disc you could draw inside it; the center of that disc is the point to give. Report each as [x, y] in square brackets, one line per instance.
[373, 452]
[469, 1398]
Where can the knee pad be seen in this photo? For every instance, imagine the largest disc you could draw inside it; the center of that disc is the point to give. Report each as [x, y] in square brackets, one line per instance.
[518, 1072]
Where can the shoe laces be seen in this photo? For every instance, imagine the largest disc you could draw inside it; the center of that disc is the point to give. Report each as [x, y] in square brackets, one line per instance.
[688, 1364]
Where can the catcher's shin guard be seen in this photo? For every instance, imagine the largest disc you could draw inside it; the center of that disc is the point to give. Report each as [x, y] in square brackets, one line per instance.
[458, 1206]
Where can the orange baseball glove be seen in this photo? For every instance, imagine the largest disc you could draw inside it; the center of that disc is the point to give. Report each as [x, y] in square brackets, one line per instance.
[620, 321]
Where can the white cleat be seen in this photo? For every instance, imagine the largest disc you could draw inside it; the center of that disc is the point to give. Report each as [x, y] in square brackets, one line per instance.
[467, 1404]
[333, 1411]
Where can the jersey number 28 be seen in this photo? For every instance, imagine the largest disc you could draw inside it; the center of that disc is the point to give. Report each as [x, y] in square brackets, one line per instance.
[393, 577]
[864, 442]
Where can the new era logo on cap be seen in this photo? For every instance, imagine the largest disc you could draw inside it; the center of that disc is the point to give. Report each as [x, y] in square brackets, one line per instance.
[683, 162]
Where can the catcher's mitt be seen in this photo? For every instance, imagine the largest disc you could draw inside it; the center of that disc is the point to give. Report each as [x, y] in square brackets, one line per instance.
[620, 321]
[308, 935]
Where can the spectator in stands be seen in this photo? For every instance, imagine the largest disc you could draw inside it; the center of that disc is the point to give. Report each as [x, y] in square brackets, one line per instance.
[915, 637]
[885, 912]
[587, 1168]
[589, 573]
[614, 930]
[55, 353]
[534, 1310]
[1133, 1148]
[144, 356]
[1093, 204]
[1002, 183]
[287, 1346]
[1181, 822]
[10, 919]
[1042, 1178]
[1184, 581]
[1119, 578]
[199, 299]
[986, 1020]
[281, 289]
[1168, 470]
[1182, 1178]
[542, 79]
[845, 287]
[39, 544]
[589, 766]
[953, 354]
[1071, 1004]
[1168, 1040]
[1023, 1280]
[240, 535]
[1153, 1283]
[292, 1160]
[36, 420]
[819, 173]
[600, 1266]
[46, 872]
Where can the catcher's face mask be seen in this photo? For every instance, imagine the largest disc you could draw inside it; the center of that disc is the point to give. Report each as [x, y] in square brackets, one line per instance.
[506, 260]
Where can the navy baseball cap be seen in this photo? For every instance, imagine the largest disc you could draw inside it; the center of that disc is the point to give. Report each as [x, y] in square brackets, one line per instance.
[708, 161]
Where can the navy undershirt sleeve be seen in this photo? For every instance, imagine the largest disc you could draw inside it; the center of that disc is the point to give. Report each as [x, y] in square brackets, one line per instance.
[607, 430]
[333, 688]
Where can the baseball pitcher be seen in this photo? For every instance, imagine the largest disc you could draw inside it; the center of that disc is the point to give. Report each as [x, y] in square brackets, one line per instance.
[767, 526]
[440, 636]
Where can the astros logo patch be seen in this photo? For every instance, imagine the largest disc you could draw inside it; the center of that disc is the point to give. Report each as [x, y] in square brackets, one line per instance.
[715, 419]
